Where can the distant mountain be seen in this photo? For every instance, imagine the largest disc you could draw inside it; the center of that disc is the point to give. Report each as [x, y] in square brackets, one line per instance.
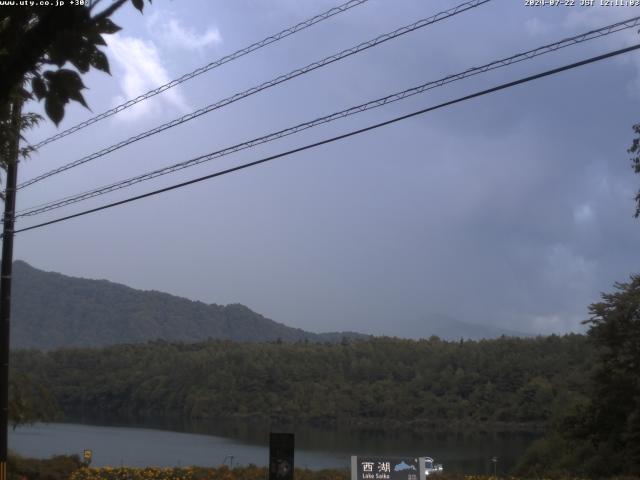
[51, 310]
[449, 328]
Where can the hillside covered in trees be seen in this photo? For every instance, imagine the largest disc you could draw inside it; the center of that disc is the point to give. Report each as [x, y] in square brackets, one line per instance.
[506, 383]
[76, 312]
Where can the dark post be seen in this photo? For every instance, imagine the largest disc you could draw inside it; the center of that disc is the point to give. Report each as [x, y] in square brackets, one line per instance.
[5, 282]
[281, 447]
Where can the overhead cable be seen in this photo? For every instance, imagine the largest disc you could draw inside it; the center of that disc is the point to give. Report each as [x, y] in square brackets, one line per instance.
[616, 27]
[199, 71]
[340, 137]
[271, 83]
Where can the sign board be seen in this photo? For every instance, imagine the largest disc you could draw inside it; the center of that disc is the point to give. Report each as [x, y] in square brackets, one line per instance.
[387, 468]
[281, 446]
[87, 454]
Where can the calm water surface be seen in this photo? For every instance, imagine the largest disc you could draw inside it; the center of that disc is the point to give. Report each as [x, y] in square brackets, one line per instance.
[208, 445]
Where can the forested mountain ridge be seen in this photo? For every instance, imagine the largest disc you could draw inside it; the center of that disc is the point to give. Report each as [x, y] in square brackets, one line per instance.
[381, 382]
[51, 310]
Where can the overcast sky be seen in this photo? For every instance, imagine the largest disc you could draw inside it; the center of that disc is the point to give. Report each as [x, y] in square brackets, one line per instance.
[514, 209]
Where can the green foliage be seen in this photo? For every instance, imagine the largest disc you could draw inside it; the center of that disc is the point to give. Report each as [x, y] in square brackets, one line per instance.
[383, 382]
[552, 457]
[613, 418]
[37, 42]
[56, 468]
[9, 138]
[600, 436]
[30, 402]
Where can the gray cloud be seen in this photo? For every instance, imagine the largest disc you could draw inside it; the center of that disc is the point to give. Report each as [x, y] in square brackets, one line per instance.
[514, 209]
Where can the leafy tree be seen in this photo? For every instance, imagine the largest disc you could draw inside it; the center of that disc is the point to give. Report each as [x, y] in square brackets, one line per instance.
[30, 402]
[601, 436]
[614, 415]
[36, 44]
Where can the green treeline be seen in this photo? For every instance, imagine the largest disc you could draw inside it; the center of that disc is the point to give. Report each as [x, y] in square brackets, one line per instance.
[494, 384]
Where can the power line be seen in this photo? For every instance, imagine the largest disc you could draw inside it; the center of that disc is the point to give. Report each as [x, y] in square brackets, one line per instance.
[199, 71]
[271, 83]
[630, 23]
[341, 137]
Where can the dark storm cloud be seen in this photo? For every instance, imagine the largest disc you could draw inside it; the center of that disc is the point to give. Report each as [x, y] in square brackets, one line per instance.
[513, 209]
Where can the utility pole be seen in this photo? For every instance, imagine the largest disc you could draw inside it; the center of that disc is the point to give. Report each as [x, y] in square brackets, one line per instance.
[13, 139]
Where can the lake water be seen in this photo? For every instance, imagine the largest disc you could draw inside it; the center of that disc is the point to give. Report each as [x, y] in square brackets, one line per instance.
[315, 448]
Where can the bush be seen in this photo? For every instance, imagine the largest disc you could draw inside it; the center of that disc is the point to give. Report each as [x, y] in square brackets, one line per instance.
[55, 468]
